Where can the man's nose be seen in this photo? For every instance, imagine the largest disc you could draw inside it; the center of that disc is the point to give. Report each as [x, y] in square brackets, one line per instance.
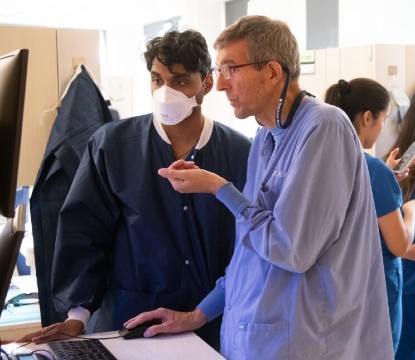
[221, 83]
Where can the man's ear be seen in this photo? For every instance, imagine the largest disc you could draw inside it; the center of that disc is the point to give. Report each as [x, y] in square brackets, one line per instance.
[275, 70]
[208, 84]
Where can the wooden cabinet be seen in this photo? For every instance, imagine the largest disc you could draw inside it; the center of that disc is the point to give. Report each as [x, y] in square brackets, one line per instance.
[52, 55]
[371, 61]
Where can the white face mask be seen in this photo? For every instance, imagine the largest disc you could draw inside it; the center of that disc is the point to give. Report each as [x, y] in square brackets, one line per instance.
[171, 106]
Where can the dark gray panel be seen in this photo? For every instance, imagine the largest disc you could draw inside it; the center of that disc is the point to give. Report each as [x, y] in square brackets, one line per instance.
[235, 9]
[322, 24]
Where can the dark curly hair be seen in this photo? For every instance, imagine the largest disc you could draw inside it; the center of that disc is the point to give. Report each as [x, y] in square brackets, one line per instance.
[187, 48]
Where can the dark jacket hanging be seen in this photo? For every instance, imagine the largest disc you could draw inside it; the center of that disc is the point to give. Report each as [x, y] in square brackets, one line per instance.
[83, 110]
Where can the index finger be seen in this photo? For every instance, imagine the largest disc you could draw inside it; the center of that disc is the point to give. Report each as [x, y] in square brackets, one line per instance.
[170, 173]
[181, 164]
[143, 317]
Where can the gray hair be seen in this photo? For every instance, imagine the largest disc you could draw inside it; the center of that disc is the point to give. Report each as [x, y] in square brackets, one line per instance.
[267, 39]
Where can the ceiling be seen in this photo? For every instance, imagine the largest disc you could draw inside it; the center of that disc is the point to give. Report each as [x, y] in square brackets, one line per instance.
[88, 14]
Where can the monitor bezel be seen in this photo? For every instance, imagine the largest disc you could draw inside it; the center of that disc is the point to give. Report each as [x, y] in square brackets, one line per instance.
[13, 78]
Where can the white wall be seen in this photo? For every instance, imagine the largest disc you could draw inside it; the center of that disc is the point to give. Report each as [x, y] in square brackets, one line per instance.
[293, 12]
[376, 21]
[125, 73]
[360, 23]
[126, 76]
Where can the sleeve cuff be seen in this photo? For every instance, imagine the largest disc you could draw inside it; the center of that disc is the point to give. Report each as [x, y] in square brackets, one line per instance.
[79, 313]
[232, 198]
[213, 304]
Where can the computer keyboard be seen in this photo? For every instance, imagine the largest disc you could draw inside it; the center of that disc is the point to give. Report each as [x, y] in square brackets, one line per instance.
[88, 349]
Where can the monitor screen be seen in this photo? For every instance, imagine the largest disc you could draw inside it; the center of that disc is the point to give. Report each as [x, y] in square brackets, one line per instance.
[13, 72]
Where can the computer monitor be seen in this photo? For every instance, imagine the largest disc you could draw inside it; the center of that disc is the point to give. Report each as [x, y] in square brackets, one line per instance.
[13, 73]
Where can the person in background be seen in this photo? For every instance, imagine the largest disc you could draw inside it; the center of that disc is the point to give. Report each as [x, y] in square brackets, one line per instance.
[406, 349]
[306, 279]
[366, 103]
[126, 241]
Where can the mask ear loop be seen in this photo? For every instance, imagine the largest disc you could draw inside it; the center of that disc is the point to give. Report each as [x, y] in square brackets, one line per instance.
[201, 86]
[203, 82]
[281, 101]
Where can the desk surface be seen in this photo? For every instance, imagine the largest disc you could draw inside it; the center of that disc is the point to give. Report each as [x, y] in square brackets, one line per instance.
[187, 346]
[20, 320]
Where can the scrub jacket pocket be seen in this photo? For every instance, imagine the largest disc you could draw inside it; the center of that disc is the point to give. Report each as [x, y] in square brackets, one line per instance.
[263, 339]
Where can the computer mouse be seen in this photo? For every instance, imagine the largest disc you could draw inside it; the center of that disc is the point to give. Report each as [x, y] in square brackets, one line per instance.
[138, 331]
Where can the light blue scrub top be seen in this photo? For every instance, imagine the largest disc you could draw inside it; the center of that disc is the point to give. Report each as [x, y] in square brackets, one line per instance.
[306, 280]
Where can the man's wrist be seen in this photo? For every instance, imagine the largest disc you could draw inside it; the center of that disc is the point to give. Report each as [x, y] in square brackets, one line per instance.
[199, 317]
[218, 183]
[79, 313]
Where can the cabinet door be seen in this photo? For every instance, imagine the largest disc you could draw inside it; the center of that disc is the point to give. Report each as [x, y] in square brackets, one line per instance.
[410, 70]
[41, 92]
[357, 62]
[77, 46]
[313, 76]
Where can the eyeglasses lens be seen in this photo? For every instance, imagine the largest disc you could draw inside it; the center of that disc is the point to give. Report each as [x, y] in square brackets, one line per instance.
[222, 69]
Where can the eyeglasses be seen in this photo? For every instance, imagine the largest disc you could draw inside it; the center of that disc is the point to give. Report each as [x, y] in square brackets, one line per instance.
[227, 70]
